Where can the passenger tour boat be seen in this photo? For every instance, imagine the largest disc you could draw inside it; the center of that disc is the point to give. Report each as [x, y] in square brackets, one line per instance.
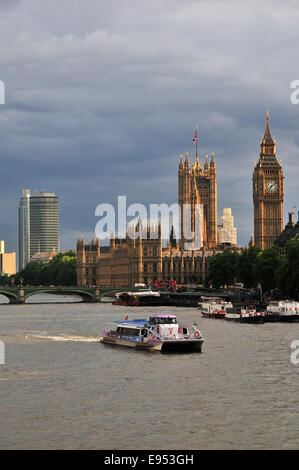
[245, 315]
[160, 333]
[213, 307]
[283, 310]
[144, 297]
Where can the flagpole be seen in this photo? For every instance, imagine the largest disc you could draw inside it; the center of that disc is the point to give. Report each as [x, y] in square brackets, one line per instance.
[196, 127]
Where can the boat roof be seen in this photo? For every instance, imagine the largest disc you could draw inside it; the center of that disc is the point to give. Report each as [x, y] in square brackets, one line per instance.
[134, 323]
[141, 322]
[163, 316]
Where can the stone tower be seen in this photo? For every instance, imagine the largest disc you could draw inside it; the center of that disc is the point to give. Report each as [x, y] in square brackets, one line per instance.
[268, 193]
[199, 186]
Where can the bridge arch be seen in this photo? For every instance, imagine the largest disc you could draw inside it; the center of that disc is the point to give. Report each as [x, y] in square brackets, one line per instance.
[85, 295]
[11, 296]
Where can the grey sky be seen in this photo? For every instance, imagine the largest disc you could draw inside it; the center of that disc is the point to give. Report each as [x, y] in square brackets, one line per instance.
[103, 97]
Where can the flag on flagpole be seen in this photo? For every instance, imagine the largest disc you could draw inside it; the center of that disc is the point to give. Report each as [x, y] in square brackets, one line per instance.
[195, 138]
[195, 141]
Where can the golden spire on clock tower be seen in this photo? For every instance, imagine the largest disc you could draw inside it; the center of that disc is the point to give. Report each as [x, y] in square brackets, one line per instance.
[268, 146]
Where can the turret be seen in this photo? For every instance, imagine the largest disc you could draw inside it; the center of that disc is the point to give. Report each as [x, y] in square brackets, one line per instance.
[187, 163]
[213, 164]
[251, 242]
[207, 166]
[181, 165]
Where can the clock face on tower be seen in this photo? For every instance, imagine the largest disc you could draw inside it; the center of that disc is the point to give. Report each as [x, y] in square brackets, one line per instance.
[271, 186]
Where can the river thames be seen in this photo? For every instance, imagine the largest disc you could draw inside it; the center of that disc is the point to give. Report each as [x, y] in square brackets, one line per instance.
[62, 389]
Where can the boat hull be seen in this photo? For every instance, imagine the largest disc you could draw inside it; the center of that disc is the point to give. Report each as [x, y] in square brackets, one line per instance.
[126, 303]
[153, 345]
[213, 315]
[257, 319]
[137, 303]
[179, 345]
[275, 317]
[184, 345]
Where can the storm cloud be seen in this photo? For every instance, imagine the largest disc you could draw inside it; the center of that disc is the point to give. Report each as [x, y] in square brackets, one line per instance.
[103, 97]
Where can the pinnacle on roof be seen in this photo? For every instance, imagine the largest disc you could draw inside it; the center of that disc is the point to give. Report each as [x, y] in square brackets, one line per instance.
[187, 163]
[268, 139]
[181, 166]
[213, 160]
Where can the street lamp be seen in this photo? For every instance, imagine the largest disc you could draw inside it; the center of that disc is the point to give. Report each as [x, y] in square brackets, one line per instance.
[259, 287]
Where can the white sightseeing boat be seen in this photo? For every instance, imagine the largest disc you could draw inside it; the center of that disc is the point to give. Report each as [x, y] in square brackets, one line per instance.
[213, 307]
[245, 315]
[283, 310]
[160, 333]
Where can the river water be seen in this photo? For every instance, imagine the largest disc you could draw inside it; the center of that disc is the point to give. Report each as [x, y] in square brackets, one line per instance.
[62, 389]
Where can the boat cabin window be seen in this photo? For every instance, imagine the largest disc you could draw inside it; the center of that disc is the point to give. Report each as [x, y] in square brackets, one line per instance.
[230, 310]
[128, 331]
[163, 321]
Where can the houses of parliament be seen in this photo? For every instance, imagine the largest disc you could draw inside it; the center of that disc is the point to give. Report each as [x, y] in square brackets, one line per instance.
[131, 260]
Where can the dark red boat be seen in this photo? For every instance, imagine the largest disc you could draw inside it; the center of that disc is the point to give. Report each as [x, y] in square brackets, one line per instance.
[137, 299]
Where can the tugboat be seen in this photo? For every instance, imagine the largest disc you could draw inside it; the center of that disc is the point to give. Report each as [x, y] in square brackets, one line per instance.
[213, 307]
[144, 297]
[159, 333]
[282, 310]
[245, 315]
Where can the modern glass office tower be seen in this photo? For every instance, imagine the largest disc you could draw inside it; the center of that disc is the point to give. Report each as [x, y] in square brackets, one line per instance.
[44, 222]
[24, 229]
[38, 225]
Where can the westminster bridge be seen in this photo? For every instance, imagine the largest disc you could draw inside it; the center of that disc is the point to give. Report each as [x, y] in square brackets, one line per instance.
[19, 294]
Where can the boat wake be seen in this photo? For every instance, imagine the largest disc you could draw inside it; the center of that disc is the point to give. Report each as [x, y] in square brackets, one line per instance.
[63, 338]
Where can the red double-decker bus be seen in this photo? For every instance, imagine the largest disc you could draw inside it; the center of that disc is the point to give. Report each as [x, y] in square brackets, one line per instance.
[170, 284]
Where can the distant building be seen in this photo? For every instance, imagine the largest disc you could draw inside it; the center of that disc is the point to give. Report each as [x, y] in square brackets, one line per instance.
[290, 231]
[43, 256]
[143, 260]
[44, 222]
[46, 256]
[227, 233]
[129, 261]
[24, 229]
[199, 186]
[38, 225]
[7, 261]
[251, 241]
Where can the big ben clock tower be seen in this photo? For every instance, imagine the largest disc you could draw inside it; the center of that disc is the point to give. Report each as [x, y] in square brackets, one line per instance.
[267, 193]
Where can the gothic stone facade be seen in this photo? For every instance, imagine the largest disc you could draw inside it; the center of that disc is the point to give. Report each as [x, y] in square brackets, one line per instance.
[268, 193]
[128, 261]
[199, 186]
